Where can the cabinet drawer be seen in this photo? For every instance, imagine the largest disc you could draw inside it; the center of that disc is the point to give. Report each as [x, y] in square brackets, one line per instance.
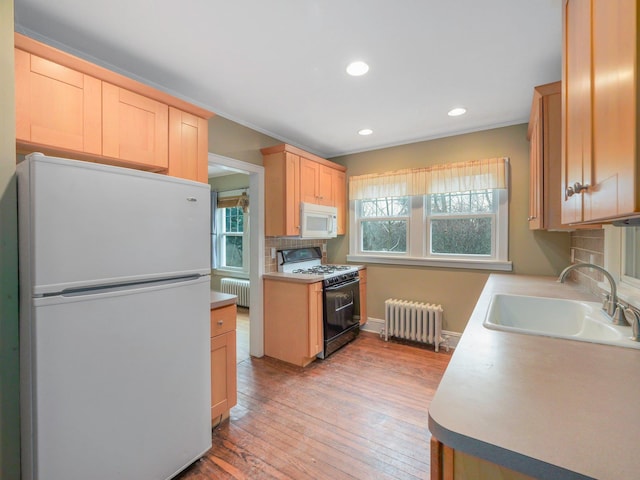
[223, 320]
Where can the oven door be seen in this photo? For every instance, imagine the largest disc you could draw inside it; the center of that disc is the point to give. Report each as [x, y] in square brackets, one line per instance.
[339, 308]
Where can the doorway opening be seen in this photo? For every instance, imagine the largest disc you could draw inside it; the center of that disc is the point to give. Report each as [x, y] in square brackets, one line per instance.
[237, 172]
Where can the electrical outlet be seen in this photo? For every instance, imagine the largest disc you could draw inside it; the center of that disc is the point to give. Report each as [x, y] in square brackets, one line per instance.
[324, 248]
[592, 258]
[273, 252]
[573, 255]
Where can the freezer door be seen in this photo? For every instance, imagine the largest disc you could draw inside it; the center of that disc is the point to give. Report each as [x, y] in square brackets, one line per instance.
[84, 224]
[120, 385]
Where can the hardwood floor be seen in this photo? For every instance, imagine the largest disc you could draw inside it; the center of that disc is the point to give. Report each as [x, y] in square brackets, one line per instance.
[359, 414]
[242, 334]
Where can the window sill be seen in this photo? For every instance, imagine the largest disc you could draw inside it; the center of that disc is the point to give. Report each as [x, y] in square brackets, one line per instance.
[433, 262]
[230, 273]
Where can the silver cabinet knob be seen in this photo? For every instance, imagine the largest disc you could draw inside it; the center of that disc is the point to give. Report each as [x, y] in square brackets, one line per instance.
[579, 188]
[220, 322]
[576, 188]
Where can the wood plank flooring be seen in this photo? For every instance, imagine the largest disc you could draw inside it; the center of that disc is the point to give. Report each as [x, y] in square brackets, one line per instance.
[359, 414]
[242, 334]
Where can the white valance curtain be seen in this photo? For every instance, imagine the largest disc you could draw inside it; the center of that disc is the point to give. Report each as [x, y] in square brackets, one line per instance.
[468, 176]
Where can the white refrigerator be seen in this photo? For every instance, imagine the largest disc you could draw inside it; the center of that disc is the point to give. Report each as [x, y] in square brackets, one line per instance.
[114, 321]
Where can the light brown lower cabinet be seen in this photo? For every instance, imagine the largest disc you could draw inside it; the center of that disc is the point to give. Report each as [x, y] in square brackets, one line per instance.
[450, 464]
[293, 321]
[224, 383]
[363, 296]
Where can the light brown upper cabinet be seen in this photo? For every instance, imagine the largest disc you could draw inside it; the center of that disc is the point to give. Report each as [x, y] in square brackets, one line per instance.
[600, 177]
[69, 107]
[293, 176]
[545, 151]
[282, 193]
[316, 183]
[57, 106]
[188, 145]
[135, 128]
[340, 199]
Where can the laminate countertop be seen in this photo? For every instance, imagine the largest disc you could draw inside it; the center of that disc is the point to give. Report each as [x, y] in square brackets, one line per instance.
[219, 299]
[547, 407]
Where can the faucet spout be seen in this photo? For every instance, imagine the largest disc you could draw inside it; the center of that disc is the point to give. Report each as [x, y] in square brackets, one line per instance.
[612, 304]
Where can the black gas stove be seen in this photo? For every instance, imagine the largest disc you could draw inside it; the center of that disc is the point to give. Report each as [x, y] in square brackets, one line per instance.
[340, 293]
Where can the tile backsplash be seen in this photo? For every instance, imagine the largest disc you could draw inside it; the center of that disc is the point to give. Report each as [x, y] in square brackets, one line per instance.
[283, 242]
[587, 246]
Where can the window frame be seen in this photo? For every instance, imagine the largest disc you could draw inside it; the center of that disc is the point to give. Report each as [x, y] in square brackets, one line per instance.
[418, 245]
[361, 219]
[628, 288]
[221, 244]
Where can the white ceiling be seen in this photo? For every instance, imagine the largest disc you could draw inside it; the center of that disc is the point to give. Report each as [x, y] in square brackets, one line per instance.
[278, 66]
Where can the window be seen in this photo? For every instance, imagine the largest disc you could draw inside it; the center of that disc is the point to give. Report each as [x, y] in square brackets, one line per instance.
[230, 242]
[231, 238]
[630, 256]
[621, 260]
[464, 229]
[384, 223]
[462, 223]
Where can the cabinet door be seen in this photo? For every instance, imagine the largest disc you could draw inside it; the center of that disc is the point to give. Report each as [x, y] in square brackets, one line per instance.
[535, 173]
[292, 194]
[614, 41]
[317, 183]
[315, 329]
[551, 147]
[545, 125]
[292, 321]
[576, 105]
[309, 180]
[188, 144]
[223, 374]
[363, 296]
[282, 195]
[326, 186]
[450, 464]
[340, 199]
[135, 128]
[56, 106]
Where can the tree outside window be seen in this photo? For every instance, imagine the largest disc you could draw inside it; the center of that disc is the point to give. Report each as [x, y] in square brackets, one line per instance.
[462, 223]
[232, 236]
[447, 225]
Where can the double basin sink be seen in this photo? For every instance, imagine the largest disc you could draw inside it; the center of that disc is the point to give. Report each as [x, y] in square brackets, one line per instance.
[555, 317]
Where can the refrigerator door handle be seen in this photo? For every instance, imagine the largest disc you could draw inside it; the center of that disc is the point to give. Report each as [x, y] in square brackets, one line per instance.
[78, 292]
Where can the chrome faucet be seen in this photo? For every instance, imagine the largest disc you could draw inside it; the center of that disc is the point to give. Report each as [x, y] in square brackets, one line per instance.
[610, 305]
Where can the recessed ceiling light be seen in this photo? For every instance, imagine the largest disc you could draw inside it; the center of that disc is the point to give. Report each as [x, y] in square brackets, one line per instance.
[365, 131]
[455, 112]
[358, 68]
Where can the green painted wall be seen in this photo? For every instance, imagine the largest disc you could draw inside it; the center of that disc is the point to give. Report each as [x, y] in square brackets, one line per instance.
[532, 253]
[233, 140]
[9, 353]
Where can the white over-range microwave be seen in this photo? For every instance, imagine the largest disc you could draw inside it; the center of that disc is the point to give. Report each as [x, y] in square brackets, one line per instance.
[318, 221]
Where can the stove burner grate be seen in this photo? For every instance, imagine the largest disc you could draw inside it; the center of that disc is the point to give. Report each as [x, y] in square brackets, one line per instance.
[321, 269]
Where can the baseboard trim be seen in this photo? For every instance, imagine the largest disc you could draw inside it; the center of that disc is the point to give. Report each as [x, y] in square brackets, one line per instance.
[376, 325]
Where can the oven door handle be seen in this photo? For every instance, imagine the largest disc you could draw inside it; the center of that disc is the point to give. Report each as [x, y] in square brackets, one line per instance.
[342, 285]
